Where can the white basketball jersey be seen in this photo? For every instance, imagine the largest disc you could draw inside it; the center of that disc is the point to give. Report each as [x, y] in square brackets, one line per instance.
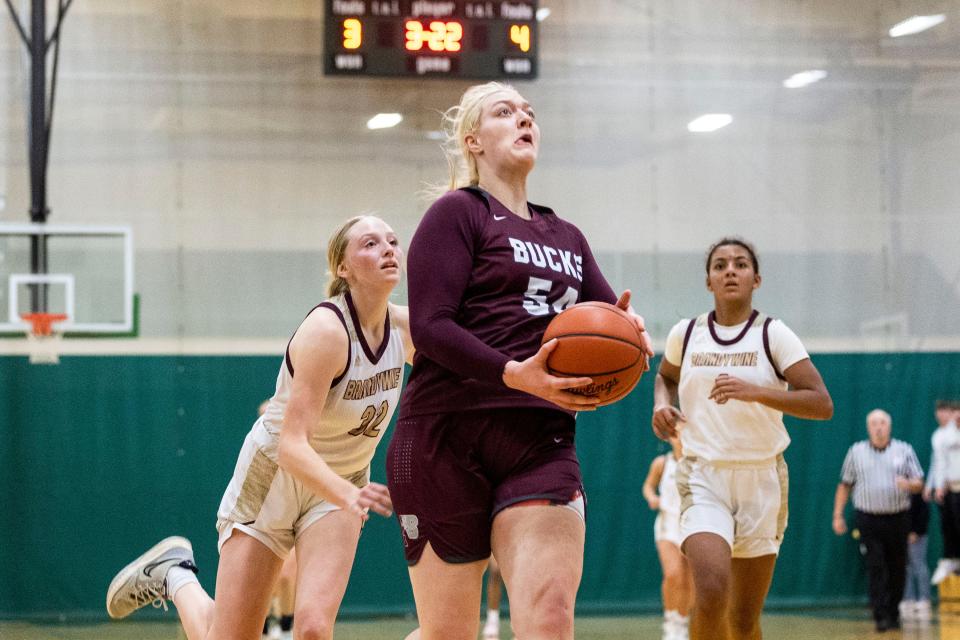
[735, 431]
[667, 489]
[359, 404]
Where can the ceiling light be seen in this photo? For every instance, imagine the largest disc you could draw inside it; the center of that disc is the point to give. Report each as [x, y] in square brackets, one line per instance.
[709, 122]
[804, 78]
[434, 135]
[543, 13]
[384, 121]
[916, 24]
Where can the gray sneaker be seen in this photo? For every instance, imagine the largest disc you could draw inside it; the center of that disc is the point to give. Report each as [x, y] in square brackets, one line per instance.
[143, 581]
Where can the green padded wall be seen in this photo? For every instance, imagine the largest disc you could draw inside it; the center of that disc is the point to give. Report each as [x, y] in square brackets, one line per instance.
[102, 456]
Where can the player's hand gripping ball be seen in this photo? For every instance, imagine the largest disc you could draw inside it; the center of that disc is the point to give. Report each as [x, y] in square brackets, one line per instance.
[599, 341]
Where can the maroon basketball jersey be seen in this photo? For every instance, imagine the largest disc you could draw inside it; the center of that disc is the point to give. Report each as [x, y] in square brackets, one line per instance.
[483, 286]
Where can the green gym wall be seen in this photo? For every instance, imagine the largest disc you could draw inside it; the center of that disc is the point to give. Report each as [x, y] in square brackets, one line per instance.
[102, 456]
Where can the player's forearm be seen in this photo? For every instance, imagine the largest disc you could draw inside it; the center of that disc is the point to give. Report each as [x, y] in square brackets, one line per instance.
[297, 457]
[648, 492]
[453, 347]
[809, 404]
[664, 392]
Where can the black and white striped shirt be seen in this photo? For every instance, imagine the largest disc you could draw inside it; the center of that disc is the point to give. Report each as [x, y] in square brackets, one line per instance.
[873, 472]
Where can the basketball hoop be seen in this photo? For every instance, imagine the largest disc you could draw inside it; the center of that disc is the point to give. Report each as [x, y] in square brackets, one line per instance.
[43, 338]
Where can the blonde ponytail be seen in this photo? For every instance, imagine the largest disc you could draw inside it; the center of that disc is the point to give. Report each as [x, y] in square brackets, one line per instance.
[336, 252]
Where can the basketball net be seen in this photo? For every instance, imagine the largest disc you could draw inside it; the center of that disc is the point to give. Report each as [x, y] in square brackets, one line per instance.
[43, 339]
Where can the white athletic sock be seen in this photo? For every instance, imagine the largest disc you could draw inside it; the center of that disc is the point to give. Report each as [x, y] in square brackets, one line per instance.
[493, 617]
[178, 577]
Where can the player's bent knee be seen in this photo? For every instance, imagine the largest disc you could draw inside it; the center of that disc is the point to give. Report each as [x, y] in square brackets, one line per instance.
[447, 630]
[312, 627]
[554, 622]
[712, 596]
[556, 595]
[743, 625]
[675, 575]
[558, 619]
[550, 615]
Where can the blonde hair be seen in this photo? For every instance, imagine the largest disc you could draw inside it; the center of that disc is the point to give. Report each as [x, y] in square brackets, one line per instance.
[458, 122]
[336, 252]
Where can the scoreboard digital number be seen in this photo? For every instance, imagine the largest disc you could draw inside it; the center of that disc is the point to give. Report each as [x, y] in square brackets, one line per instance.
[431, 38]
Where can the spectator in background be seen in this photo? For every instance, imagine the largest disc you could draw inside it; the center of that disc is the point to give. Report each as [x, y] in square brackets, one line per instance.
[944, 485]
[881, 473]
[916, 592]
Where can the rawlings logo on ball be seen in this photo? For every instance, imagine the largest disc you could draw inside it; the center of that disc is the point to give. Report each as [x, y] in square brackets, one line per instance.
[599, 341]
[594, 389]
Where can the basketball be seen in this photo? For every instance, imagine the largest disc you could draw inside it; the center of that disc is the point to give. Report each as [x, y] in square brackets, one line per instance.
[599, 341]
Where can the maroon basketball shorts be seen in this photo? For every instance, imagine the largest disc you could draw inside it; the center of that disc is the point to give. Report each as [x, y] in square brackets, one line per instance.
[450, 474]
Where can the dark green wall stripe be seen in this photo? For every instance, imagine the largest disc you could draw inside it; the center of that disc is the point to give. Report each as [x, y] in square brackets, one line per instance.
[101, 456]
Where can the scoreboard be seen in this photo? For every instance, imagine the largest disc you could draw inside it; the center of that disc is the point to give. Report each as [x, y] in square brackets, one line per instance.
[431, 38]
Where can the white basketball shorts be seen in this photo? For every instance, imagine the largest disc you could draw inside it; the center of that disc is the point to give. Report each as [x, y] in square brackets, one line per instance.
[267, 503]
[743, 503]
[666, 528]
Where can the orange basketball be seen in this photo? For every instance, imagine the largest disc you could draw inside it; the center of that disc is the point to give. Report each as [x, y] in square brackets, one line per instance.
[599, 341]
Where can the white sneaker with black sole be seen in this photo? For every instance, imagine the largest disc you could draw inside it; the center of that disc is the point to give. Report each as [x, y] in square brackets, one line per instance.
[143, 581]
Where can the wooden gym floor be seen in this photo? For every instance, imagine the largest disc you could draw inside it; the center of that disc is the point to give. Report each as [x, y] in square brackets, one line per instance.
[825, 625]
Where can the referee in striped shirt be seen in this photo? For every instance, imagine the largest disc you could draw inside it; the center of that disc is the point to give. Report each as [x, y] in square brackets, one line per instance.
[881, 473]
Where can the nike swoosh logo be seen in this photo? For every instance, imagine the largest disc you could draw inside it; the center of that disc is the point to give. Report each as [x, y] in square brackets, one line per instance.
[558, 440]
[147, 570]
[496, 217]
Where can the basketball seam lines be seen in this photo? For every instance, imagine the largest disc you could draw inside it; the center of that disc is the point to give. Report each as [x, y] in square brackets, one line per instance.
[588, 375]
[603, 373]
[595, 335]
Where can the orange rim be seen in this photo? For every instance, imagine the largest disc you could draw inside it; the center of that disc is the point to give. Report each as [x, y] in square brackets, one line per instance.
[42, 323]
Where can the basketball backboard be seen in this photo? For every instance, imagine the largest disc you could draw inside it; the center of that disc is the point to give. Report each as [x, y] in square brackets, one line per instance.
[89, 277]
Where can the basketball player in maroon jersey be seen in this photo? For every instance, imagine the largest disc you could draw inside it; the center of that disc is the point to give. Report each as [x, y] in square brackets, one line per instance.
[483, 455]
